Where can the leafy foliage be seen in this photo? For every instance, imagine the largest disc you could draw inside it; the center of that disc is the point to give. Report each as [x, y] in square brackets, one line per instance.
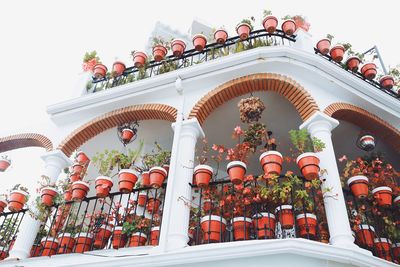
[157, 157]
[302, 141]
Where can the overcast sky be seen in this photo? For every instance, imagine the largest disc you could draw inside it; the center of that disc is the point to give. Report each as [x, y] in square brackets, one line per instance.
[42, 44]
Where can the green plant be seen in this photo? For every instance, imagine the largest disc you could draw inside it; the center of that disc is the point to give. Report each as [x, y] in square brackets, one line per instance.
[90, 56]
[249, 22]
[329, 37]
[5, 157]
[287, 17]
[167, 67]
[202, 156]
[302, 141]
[267, 12]
[160, 41]
[157, 157]
[8, 230]
[255, 135]
[42, 233]
[135, 224]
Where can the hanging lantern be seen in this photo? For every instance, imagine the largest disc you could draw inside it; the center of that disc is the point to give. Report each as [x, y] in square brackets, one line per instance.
[366, 141]
[127, 132]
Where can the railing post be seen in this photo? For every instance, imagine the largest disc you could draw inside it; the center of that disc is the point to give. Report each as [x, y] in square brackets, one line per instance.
[55, 162]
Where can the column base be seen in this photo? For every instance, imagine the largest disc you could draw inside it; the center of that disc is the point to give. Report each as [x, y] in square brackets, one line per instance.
[176, 241]
[347, 242]
[18, 255]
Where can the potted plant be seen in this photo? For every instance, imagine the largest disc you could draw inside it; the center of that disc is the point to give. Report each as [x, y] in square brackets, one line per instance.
[307, 160]
[178, 46]
[102, 233]
[5, 162]
[99, 71]
[244, 28]
[202, 172]
[79, 190]
[386, 81]
[90, 59]
[269, 22]
[37, 246]
[324, 44]
[153, 204]
[66, 237]
[19, 195]
[135, 230]
[118, 68]
[155, 230]
[353, 59]
[369, 71]
[288, 25]
[48, 191]
[82, 158]
[337, 53]
[353, 175]
[199, 41]
[153, 163]
[213, 228]
[264, 224]
[142, 198]
[250, 109]
[159, 49]
[3, 202]
[301, 22]
[139, 58]
[220, 35]
[307, 224]
[365, 234]
[83, 240]
[383, 248]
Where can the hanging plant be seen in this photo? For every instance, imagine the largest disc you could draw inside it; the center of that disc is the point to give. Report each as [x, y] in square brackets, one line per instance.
[250, 109]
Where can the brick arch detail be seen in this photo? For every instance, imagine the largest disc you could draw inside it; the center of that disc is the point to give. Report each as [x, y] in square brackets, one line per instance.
[114, 118]
[16, 141]
[367, 121]
[281, 84]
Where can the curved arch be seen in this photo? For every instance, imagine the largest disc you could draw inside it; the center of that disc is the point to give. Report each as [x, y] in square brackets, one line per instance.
[25, 140]
[113, 119]
[283, 85]
[365, 120]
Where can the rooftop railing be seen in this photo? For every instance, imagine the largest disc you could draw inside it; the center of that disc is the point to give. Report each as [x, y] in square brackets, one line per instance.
[9, 225]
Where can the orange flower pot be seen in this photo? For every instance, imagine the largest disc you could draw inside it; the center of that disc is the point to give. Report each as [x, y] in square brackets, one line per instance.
[137, 239]
[271, 162]
[68, 195]
[157, 176]
[145, 179]
[199, 42]
[383, 195]
[153, 205]
[207, 205]
[285, 216]
[359, 186]
[77, 168]
[236, 171]
[203, 174]
[3, 253]
[118, 68]
[35, 250]
[396, 251]
[75, 177]
[3, 204]
[365, 235]
[307, 224]
[159, 52]
[103, 186]
[264, 223]
[154, 235]
[289, 27]
[352, 63]
[213, 228]
[142, 198]
[139, 59]
[82, 158]
[119, 239]
[17, 200]
[220, 36]
[4, 164]
[323, 46]
[66, 243]
[387, 82]
[308, 164]
[369, 71]
[270, 23]
[178, 46]
[102, 235]
[49, 245]
[99, 71]
[127, 180]
[47, 195]
[83, 242]
[396, 200]
[79, 190]
[383, 247]
[166, 167]
[127, 135]
[241, 228]
[243, 30]
[337, 53]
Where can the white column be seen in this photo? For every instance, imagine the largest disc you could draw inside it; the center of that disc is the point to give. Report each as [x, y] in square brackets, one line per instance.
[55, 162]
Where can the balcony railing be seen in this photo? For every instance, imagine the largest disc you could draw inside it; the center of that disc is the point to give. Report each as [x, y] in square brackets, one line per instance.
[9, 225]
[192, 57]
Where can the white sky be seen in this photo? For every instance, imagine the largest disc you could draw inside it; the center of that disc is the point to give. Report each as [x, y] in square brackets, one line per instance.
[42, 44]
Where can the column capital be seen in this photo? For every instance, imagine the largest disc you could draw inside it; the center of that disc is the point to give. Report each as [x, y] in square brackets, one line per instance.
[56, 157]
[192, 126]
[319, 121]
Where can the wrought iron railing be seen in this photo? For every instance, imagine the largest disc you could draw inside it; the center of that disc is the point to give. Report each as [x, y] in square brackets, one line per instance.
[9, 226]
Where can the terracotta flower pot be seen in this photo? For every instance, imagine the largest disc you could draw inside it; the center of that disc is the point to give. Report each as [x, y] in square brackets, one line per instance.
[101, 236]
[137, 239]
[383, 247]
[365, 235]
[199, 42]
[383, 195]
[118, 68]
[119, 239]
[324, 236]
[203, 174]
[17, 200]
[77, 168]
[289, 27]
[49, 245]
[139, 59]
[82, 158]
[142, 198]
[153, 205]
[159, 52]
[166, 167]
[352, 63]
[79, 190]
[285, 216]
[307, 223]
[241, 228]
[4, 164]
[271, 162]
[308, 163]
[323, 46]
[270, 23]
[66, 243]
[127, 135]
[3, 204]
[367, 142]
[178, 46]
[207, 205]
[83, 242]
[220, 36]
[359, 186]
[213, 228]
[264, 223]
[396, 250]
[243, 30]
[3, 253]
[396, 200]
[103, 186]
[236, 171]
[368, 70]
[36, 249]
[157, 176]
[154, 235]
[337, 53]
[99, 71]
[387, 82]
[47, 195]
[127, 180]
[75, 177]
[145, 179]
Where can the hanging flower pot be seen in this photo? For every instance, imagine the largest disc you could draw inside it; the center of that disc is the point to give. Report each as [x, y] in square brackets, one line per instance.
[337, 53]
[383, 247]
[145, 179]
[178, 46]
[142, 198]
[271, 162]
[47, 195]
[82, 158]
[127, 135]
[352, 63]
[103, 186]
[77, 168]
[127, 180]
[3, 253]
[243, 30]
[213, 228]
[118, 68]
[99, 71]
[307, 223]
[83, 242]
[285, 216]
[365, 235]
[396, 250]
[66, 243]
[289, 27]
[220, 36]
[397, 200]
[138, 239]
[369, 71]
[159, 52]
[17, 200]
[4, 164]
[383, 195]
[366, 142]
[387, 82]
[154, 235]
[323, 46]
[359, 186]
[199, 42]
[270, 23]
[250, 109]
[75, 177]
[35, 250]
[264, 223]
[153, 205]
[101, 236]
[207, 205]
[236, 171]
[157, 176]
[79, 190]
[139, 59]
[241, 228]
[308, 164]
[50, 245]
[203, 174]
[3, 204]
[119, 239]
